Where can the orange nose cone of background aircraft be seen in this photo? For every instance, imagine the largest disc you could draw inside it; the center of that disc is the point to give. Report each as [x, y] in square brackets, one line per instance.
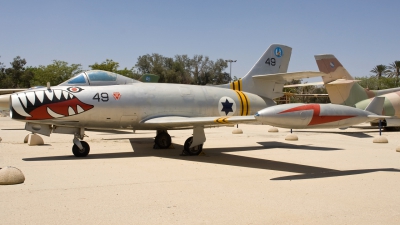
[4, 102]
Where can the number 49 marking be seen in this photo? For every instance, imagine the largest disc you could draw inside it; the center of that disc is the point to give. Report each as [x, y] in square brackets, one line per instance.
[103, 97]
[271, 61]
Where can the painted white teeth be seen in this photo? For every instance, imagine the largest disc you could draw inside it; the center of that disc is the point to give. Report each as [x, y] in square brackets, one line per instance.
[71, 111]
[16, 104]
[57, 93]
[22, 96]
[49, 94]
[79, 109]
[71, 96]
[31, 97]
[53, 114]
[65, 94]
[40, 95]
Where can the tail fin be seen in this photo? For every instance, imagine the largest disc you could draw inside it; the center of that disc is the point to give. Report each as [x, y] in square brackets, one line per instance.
[274, 60]
[329, 65]
[340, 85]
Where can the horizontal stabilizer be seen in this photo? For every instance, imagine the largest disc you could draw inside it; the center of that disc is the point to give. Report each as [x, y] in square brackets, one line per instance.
[380, 117]
[289, 76]
[343, 81]
[305, 84]
[306, 95]
[376, 105]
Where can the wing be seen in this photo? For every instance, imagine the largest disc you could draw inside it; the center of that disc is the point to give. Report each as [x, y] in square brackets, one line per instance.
[175, 122]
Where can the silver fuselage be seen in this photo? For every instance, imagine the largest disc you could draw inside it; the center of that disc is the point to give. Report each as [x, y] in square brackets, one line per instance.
[129, 106]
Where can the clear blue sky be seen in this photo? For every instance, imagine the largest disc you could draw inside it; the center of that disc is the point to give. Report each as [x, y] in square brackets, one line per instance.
[361, 34]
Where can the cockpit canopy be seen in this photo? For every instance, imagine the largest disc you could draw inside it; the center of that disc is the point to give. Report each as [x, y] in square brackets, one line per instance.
[98, 78]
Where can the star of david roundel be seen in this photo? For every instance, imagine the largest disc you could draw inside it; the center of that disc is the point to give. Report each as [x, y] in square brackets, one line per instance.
[226, 106]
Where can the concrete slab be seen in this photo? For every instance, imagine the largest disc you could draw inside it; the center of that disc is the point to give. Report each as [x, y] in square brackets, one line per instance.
[327, 177]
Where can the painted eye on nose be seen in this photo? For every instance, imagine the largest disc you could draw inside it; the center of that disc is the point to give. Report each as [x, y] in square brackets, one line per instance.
[75, 89]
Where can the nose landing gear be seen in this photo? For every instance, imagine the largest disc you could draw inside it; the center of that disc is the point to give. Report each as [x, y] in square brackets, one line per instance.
[83, 151]
[80, 148]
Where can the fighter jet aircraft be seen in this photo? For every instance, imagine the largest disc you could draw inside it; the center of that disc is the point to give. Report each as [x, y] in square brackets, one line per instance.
[84, 102]
[344, 90]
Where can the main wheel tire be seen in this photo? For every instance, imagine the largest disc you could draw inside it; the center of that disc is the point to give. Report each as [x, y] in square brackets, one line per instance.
[163, 140]
[196, 150]
[81, 152]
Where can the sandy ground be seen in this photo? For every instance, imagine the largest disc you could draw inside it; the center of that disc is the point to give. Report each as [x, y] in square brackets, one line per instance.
[327, 177]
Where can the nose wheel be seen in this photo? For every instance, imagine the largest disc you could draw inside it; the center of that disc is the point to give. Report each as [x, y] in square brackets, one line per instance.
[195, 150]
[81, 152]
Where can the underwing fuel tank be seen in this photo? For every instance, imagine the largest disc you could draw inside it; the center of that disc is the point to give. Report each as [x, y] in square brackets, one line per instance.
[306, 116]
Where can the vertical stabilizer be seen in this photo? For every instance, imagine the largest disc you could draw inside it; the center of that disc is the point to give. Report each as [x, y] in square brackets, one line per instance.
[332, 67]
[340, 85]
[274, 60]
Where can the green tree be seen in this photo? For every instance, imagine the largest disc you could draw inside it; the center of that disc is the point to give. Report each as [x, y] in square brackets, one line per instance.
[55, 73]
[4, 82]
[379, 71]
[199, 70]
[16, 76]
[370, 83]
[200, 65]
[217, 74]
[129, 73]
[395, 70]
[108, 65]
[112, 66]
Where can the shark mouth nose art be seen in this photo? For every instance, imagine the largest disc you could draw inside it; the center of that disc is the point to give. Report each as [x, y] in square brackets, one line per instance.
[46, 104]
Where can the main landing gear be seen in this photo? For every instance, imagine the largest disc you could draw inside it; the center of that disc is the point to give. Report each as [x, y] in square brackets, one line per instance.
[193, 145]
[162, 140]
[196, 150]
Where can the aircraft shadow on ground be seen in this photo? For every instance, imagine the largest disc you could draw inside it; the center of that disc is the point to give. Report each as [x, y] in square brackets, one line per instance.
[275, 144]
[143, 147]
[334, 174]
[351, 134]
